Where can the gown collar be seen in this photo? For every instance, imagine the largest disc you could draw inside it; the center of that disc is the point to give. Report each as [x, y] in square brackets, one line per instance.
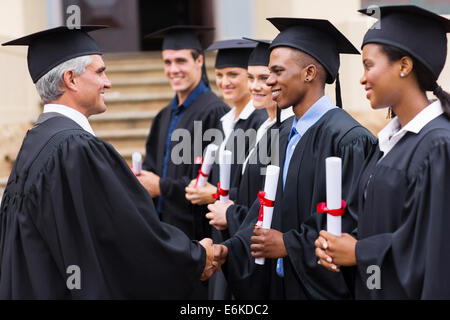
[391, 134]
[72, 114]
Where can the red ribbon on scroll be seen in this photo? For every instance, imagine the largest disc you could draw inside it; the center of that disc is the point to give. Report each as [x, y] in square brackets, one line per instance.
[263, 203]
[322, 207]
[221, 192]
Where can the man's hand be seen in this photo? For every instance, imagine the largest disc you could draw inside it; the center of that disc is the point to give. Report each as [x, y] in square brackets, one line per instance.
[210, 265]
[220, 255]
[200, 195]
[218, 214]
[334, 251]
[150, 181]
[267, 243]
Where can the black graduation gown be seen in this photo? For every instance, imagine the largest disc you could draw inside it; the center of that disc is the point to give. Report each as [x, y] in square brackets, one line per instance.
[75, 202]
[234, 144]
[335, 134]
[403, 223]
[218, 290]
[178, 211]
[252, 180]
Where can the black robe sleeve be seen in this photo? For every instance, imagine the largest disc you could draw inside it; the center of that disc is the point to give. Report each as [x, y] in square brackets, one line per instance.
[235, 216]
[85, 208]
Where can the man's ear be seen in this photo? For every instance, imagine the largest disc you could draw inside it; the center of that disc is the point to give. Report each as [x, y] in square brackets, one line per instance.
[70, 81]
[200, 60]
[310, 72]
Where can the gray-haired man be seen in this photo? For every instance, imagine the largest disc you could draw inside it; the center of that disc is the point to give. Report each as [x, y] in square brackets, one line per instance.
[74, 220]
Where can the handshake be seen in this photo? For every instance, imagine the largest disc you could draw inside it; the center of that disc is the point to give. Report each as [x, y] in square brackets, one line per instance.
[216, 255]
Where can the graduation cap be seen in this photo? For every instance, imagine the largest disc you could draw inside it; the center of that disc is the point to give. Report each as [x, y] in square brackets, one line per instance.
[180, 37]
[232, 53]
[49, 48]
[417, 31]
[318, 38]
[260, 56]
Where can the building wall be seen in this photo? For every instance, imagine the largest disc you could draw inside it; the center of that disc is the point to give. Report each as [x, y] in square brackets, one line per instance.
[19, 99]
[344, 15]
[19, 105]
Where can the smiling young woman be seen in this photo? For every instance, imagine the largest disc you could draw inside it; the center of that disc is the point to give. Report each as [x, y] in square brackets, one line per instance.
[402, 192]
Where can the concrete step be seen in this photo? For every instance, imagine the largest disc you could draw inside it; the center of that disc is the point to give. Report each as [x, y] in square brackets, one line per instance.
[144, 58]
[117, 73]
[124, 139]
[130, 85]
[123, 120]
[121, 102]
[118, 102]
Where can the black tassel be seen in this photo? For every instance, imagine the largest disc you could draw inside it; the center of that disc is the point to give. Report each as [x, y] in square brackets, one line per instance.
[204, 73]
[338, 92]
[278, 116]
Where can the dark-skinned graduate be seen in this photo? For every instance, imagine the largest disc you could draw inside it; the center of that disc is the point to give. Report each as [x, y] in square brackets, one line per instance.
[75, 223]
[402, 244]
[304, 57]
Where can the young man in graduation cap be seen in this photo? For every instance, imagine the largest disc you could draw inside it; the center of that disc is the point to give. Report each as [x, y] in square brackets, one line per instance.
[75, 223]
[194, 106]
[304, 56]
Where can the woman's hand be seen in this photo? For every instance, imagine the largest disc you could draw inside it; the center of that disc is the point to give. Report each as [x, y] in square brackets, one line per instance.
[334, 251]
[200, 195]
[218, 214]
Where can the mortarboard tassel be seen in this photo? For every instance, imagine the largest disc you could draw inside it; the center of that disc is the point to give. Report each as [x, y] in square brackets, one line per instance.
[338, 92]
[204, 73]
[278, 116]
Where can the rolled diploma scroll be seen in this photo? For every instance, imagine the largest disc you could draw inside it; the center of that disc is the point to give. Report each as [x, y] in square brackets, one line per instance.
[334, 193]
[225, 171]
[270, 188]
[137, 163]
[210, 155]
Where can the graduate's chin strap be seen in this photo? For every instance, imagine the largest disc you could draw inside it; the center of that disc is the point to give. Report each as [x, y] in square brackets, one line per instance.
[338, 92]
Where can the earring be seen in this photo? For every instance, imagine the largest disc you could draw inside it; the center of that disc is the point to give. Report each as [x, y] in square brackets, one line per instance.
[402, 75]
[307, 79]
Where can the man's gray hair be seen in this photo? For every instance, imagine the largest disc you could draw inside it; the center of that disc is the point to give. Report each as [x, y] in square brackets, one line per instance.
[50, 85]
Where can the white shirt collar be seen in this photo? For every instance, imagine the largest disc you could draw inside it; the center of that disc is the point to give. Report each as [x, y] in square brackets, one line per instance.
[72, 114]
[286, 113]
[390, 135]
[245, 113]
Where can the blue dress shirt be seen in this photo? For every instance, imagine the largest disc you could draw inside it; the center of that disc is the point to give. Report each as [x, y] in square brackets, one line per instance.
[299, 127]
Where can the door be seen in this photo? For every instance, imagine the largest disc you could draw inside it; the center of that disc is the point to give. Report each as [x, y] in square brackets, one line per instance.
[121, 15]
